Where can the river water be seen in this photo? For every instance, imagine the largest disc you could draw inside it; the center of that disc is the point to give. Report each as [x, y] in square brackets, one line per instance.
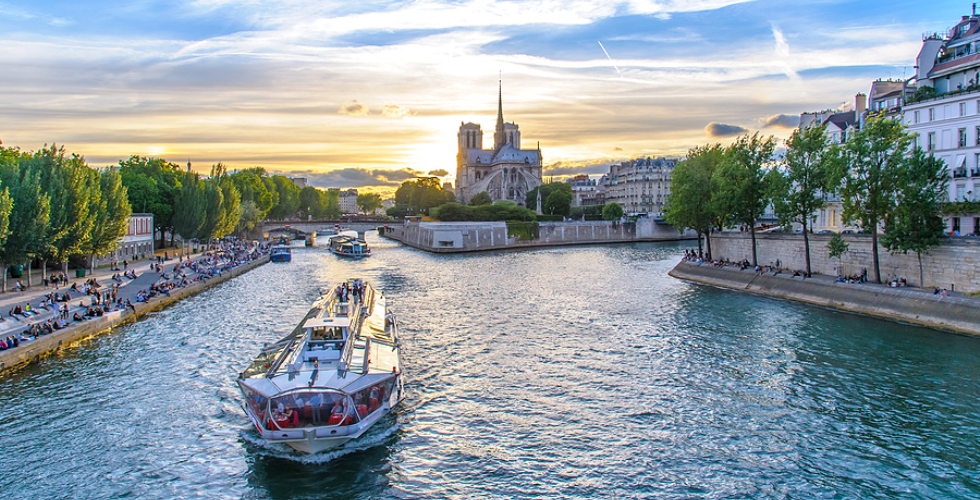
[580, 372]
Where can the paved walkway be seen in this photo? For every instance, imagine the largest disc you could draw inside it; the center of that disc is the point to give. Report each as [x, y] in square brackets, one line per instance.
[128, 288]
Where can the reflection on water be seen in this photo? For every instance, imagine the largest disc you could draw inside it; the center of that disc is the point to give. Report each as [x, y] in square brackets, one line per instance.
[572, 372]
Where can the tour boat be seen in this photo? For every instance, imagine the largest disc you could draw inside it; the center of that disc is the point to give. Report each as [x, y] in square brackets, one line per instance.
[332, 378]
[280, 250]
[347, 245]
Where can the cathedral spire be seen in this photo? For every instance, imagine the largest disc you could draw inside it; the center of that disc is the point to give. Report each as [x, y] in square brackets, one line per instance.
[499, 139]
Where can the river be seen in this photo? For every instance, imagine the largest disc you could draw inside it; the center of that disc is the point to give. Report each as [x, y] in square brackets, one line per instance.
[580, 372]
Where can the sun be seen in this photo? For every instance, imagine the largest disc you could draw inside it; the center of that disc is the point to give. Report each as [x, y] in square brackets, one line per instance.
[156, 150]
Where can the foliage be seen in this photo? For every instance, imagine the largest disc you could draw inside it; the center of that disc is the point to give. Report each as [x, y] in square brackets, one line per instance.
[500, 211]
[289, 201]
[916, 225]
[521, 230]
[369, 202]
[582, 212]
[797, 192]
[110, 215]
[559, 202]
[30, 211]
[481, 198]
[612, 211]
[922, 93]
[690, 204]
[531, 199]
[151, 186]
[836, 248]
[189, 213]
[422, 194]
[873, 156]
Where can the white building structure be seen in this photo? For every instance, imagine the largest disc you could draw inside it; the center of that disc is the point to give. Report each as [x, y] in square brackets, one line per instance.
[946, 120]
[584, 190]
[348, 201]
[136, 244]
[640, 186]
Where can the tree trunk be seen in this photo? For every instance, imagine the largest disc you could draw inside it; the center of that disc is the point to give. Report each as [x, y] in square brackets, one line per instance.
[91, 264]
[699, 246]
[707, 239]
[919, 255]
[44, 267]
[162, 240]
[806, 246]
[755, 261]
[3, 281]
[874, 252]
[29, 284]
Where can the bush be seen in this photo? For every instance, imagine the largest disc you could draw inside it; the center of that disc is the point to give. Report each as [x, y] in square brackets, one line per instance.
[525, 231]
[550, 218]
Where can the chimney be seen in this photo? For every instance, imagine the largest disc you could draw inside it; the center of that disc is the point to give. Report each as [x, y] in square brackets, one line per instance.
[860, 105]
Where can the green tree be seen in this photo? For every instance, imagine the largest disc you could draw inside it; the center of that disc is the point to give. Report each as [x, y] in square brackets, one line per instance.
[67, 180]
[740, 182]
[309, 201]
[531, 199]
[612, 211]
[873, 157]
[110, 215]
[329, 206]
[836, 248]
[798, 191]
[559, 202]
[256, 199]
[289, 202]
[481, 198]
[689, 205]
[916, 224]
[189, 213]
[152, 185]
[422, 194]
[369, 202]
[29, 216]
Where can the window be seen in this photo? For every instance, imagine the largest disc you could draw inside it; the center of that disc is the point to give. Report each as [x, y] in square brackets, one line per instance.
[915, 141]
[962, 109]
[978, 136]
[916, 115]
[931, 144]
[962, 132]
[932, 114]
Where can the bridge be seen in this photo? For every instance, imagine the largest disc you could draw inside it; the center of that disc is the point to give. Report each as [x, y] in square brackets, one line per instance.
[300, 229]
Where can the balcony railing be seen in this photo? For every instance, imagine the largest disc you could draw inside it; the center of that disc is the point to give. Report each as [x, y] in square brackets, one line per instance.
[975, 172]
[959, 172]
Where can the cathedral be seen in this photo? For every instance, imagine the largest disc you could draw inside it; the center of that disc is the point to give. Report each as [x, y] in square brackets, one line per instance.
[505, 172]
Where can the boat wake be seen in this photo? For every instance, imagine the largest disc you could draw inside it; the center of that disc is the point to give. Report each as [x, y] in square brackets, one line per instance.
[374, 437]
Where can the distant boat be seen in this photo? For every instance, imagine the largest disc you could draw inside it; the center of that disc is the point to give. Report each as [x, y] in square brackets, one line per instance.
[346, 244]
[280, 250]
[332, 378]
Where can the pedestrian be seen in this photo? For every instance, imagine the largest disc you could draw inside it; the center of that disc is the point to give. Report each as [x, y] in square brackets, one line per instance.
[125, 264]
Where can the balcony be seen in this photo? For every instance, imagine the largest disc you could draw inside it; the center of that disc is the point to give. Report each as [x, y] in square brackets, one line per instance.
[975, 172]
[959, 172]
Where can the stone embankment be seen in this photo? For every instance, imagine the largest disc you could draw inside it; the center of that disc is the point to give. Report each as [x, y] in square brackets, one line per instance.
[457, 237]
[912, 305]
[34, 350]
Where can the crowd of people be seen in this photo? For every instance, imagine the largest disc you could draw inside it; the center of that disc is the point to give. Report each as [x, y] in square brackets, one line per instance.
[105, 299]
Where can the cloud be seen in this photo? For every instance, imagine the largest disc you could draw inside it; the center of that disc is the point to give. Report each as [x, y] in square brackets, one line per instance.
[617, 148]
[439, 172]
[715, 129]
[354, 108]
[570, 168]
[395, 111]
[780, 121]
[782, 53]
[354, 177]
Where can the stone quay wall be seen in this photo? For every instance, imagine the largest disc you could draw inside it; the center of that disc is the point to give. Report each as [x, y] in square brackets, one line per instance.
[959, 314]
[79, 332]
[953, 265]
[456, 237]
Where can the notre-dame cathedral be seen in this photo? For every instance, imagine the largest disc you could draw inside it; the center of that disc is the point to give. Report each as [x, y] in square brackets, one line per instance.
[505, 172]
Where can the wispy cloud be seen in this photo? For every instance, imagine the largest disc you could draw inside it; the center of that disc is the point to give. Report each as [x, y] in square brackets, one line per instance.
[716, 130]
[780, 121]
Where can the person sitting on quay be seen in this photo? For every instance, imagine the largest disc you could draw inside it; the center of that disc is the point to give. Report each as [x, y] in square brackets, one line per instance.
[78, 317]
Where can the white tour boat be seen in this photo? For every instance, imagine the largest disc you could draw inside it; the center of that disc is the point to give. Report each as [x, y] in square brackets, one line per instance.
[332, 378]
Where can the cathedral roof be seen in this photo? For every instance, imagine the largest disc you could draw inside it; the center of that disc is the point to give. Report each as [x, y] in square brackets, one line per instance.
[507, 154]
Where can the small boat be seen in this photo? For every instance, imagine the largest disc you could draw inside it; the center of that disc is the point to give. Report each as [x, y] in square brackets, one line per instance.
[346, 244]
[281, 252]
[332, 378]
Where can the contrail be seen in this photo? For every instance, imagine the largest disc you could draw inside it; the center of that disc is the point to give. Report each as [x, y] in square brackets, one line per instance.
[610, 59]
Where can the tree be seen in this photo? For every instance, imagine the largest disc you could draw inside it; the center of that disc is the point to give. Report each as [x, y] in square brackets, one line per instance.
[29, 214]
[151, 185]
[690, 205]
[836, 248]
[369, 202]
[481, 198]
[256, 199]
[916, 224]
[531, 199]
[612, 211]
[73, 191]
[740, 182]
[873, 157]
[289, 202]
[559, 202]
[189, 216]
[422, 194]
[797, 192]
[111, 215]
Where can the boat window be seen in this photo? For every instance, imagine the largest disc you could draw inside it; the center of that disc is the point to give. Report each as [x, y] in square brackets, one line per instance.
[257, 403]
[308, 408]
[369, 399]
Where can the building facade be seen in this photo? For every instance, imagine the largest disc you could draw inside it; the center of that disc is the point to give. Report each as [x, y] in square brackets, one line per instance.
[640, 186]
[944, 115]
[584, 191]
[348, 201]
[505, 172]
[136, 244]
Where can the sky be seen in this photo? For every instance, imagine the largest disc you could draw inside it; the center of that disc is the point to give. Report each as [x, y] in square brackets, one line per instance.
[372, 93]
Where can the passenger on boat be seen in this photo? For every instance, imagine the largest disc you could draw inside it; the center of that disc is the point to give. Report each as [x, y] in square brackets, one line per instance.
[315, 403]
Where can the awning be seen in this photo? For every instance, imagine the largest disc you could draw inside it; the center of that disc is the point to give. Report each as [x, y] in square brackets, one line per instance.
[331, 322]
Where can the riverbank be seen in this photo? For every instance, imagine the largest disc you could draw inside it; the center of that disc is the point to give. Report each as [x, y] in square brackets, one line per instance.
[74, 333]
[461, 237]
[955, 312]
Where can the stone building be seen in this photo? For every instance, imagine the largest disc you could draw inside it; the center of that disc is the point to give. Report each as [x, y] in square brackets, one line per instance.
[505, 172]
[640, 186]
